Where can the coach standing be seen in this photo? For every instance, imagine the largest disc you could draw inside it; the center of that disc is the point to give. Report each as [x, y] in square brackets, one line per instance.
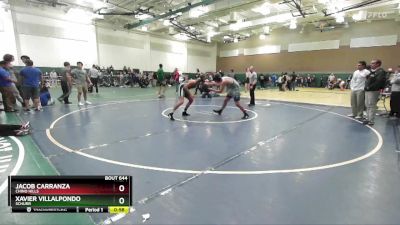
[252, 85]
[66, 83]
[32, 77]
[357, 86]
[94, 78]
[374, 83]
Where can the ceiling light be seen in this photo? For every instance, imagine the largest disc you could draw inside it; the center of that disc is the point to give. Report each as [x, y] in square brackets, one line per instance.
[181, 37]
[293, 24]
[262, 36]
[166, 23]
[264, 9]
[211, 33]
[222, 20]
[339, 18]
[323, 1]
[240, 25]
[142, 16]
[281, 18]
[356, 17]
[267, 30]
[361, 15]
[198, 11]
[212, 24]
[99, 4]
[79, 15]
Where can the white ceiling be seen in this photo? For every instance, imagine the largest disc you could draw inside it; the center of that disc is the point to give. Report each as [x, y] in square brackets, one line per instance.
[233, 19]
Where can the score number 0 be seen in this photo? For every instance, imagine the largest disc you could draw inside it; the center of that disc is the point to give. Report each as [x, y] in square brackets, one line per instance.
[121, 200]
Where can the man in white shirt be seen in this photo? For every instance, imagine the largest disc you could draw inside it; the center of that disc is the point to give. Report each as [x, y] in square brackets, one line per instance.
[53, 78]
[331, 81]
[94, 78]
[357, 85]
[252, 85]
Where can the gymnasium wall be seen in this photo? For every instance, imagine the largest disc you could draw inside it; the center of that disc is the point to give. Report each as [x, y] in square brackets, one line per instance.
[50, 42]
[50, 37]
[7, 40]
[145, 52]
[330, 51]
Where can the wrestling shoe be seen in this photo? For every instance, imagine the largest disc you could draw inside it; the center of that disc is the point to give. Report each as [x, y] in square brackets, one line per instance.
[218, 111]
[185, 114]
[171, 116]
[22, 132]
[25, 126]
[245, 116]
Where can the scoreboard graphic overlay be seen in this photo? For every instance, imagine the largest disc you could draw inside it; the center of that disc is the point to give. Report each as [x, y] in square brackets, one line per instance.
[74, 194]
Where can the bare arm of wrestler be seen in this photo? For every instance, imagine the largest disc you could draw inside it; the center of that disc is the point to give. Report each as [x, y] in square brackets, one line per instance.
[222, 87]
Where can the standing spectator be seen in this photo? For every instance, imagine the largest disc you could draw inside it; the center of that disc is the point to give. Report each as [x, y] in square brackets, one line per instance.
[221, 73]
[231, 74]
[246, 82]
[131, 77]
[10, 58]
[252, 85]
[154, 79]
[293, 79]
[322, 81]
[94, 78]
[375, 82]
[274, 77]
[81, 80]
[5, 87]
[161, 81]
[30, 85]
[395, 95]
[198, 73]
[262, 81]
[197, 84]
[24, 58]
[267, 81]
[313, 81]
[357, 85]
[176, 77]
[66, 83]
[53, 78]
[308, 80]
[282, 80]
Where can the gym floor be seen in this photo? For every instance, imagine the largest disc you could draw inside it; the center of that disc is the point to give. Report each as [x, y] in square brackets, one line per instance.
[291, 162]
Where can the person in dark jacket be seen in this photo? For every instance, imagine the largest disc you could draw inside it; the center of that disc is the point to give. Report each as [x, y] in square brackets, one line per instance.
[395, 95]
[375, 82]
